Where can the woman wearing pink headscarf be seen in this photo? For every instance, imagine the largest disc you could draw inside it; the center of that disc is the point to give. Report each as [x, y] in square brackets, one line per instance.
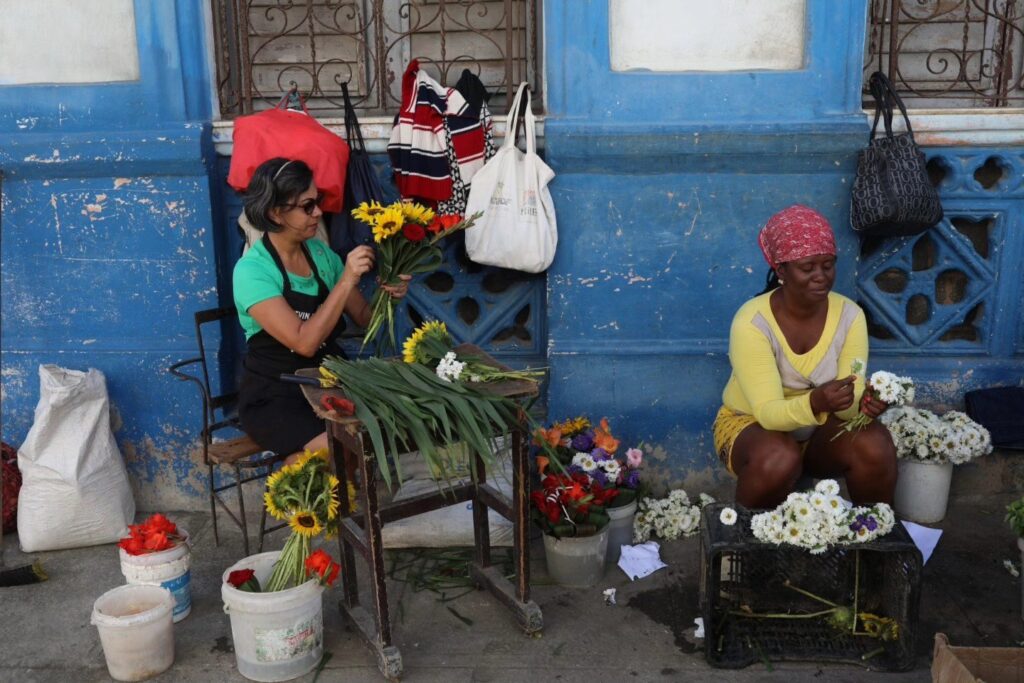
[791, 349]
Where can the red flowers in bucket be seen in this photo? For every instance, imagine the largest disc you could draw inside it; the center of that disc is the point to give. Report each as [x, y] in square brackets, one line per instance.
[155, 534]
[244, 580]
[322, 567]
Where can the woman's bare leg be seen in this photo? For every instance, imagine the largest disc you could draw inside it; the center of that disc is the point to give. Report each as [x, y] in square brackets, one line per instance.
[767, 465]
[865, 458]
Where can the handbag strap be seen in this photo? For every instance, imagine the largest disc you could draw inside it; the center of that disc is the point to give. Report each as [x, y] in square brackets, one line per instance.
[512, 120]
[353, 133]
[885, 96]
[283, 104]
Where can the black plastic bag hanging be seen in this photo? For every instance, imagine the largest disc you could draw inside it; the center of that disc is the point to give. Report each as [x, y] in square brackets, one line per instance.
[361, 185]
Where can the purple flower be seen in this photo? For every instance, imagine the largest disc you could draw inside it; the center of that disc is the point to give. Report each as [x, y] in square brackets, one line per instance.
[632, 479]
[599, 454]
[574, 469]
[864, 522]
[598, 476]
[583, 442]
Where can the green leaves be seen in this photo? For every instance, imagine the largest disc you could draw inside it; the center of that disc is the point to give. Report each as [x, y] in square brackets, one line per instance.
[406, 407]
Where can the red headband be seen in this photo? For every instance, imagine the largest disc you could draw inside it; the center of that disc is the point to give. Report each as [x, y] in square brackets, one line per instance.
[795, 233]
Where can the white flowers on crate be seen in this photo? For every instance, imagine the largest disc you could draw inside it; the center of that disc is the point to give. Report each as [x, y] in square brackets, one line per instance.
[819, 519]
[670, 518]
[727, 517]
[449, 368]
[893, 390]
[920, 434]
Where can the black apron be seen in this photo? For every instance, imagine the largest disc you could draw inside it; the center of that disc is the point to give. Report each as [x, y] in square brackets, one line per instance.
[274, 413]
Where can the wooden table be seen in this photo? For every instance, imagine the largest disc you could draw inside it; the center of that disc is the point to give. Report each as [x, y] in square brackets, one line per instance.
[362, 530]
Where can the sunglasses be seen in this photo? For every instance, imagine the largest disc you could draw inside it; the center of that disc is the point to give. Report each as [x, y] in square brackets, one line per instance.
[308, 206]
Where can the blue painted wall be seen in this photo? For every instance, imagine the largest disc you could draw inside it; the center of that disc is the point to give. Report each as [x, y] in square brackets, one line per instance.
[108, 246]
[117, 226]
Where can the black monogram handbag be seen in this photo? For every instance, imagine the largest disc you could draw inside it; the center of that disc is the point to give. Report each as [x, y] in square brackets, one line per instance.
[892, 195]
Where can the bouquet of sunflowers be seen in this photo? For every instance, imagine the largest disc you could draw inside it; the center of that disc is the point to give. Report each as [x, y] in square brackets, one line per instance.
[305, 494]
[406, 234]
[431, 345]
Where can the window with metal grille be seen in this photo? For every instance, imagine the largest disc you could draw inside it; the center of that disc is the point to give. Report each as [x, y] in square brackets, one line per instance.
[264, 47]
[948, 53]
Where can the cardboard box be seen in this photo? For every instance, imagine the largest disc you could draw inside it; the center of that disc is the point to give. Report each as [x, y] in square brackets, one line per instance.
[976, 664]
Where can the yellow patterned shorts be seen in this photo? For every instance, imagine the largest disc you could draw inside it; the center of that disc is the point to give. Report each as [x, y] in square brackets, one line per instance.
[727, 428]
[728, 425]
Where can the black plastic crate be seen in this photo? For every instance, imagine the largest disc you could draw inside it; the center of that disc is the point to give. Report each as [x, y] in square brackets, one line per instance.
[740, 574]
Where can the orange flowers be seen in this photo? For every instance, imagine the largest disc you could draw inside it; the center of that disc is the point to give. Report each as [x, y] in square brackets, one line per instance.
[603, 437]
[322, 566]
[552, 437]
[155, 534]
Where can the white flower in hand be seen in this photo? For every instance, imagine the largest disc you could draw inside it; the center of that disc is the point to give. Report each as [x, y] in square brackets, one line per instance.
[728, 516]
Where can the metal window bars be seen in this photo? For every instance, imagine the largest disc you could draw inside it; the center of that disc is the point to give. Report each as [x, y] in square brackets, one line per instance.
[949, 53]
[263, 47]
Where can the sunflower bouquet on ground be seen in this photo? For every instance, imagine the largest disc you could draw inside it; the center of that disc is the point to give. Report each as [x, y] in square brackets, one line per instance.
[406, 234]
[431, 345]
[304, 494]
[890, 389]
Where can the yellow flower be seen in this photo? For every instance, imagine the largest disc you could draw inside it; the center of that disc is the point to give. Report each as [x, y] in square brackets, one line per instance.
[274, 480]
[573, 426]
[272, 509]
[409, 348]
[305, 523]
[417, 213]
[388, 223]
[328, 378]
[309, 455]
[368, 212]
[332, 502]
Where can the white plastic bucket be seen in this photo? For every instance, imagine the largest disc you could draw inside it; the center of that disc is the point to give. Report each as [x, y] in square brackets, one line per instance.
[620, 530]
[922, 490]
[167, 568]
[278, 635]
[136, 631]
[576, 562]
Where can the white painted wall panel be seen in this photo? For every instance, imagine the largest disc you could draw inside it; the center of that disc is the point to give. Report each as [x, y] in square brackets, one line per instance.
[697, 35]
[57, 41]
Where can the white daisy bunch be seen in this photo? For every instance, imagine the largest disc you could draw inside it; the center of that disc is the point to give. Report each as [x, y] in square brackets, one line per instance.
[819, 519]
[889, 388]
[450, 368]
[671, 517]
[892, 389]
[920, 434]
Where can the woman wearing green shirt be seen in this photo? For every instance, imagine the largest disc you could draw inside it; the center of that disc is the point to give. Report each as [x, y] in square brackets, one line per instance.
[292, 293]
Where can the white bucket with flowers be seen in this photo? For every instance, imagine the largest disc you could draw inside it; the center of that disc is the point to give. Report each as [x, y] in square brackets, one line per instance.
[928, 447]
[275, 599]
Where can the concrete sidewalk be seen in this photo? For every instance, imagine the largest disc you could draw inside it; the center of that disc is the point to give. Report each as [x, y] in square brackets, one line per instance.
[45, 635]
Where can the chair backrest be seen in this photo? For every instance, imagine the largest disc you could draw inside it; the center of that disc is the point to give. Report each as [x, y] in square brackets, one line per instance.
[223, 401]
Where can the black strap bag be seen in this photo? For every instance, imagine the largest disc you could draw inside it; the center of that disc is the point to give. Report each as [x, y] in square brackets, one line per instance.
[892, 195]
[361, 185]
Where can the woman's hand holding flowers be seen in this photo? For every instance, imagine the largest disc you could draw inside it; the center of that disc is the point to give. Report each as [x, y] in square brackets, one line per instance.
[834, 396]
[358, 263]
[397, 291]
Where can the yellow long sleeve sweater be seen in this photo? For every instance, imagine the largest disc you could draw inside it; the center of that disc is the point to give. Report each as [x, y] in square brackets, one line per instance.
[774, 384]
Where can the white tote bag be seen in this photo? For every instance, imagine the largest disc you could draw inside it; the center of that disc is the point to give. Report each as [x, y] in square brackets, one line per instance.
[517, 229]
[75, 491]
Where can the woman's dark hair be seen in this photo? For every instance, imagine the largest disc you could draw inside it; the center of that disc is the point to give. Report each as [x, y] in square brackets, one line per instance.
[771, 281]
[275, 182]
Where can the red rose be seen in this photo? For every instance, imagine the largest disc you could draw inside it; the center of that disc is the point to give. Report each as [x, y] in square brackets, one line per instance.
[414, 232]
[321, 565]
[244, 580]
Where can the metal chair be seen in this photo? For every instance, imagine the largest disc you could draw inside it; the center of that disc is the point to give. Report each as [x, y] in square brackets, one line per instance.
[240, 453]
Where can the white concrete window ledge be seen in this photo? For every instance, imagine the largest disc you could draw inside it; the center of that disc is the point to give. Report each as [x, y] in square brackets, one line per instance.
[376, 131]
[962, 127]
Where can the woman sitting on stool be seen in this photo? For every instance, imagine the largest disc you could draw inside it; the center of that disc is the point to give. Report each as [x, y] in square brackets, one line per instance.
[791, 349]
[291, 292]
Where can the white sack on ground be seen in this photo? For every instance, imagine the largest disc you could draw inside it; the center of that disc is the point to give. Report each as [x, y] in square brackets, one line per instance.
[75, 491]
